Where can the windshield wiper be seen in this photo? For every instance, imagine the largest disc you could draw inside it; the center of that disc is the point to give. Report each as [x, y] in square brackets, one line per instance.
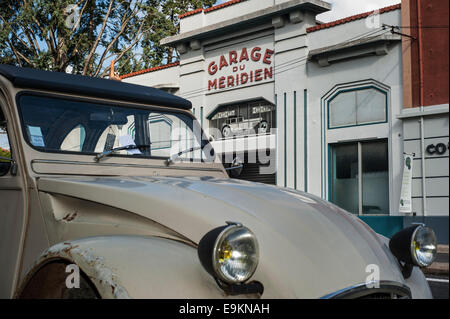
[173, 157]
[99, 156]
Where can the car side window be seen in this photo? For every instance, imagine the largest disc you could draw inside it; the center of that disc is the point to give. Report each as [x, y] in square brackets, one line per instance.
[5, 149]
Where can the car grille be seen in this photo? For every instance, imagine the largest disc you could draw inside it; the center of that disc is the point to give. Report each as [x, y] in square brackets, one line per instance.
[385, 290]
[384, 295]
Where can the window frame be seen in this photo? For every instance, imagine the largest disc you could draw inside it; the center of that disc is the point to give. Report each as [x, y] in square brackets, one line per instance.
[386, 111]
[360, 174]
[123, 104]
[236, 108]
[8, 172]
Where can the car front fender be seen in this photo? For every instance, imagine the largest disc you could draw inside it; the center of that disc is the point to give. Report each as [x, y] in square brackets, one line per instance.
[134, 267]
[417, 282]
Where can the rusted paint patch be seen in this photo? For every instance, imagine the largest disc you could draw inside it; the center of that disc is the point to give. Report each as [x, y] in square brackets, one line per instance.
[93, 265]
[103, 274]
[70, 216]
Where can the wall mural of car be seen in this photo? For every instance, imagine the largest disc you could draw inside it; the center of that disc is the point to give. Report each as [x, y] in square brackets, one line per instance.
[143, 226]
[237, 125]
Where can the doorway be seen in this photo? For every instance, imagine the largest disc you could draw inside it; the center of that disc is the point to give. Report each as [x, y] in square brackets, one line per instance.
[359, 177]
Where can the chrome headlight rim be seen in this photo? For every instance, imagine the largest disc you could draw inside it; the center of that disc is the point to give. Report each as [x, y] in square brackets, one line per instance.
[403, 246]
[415, 259]
[228, 230]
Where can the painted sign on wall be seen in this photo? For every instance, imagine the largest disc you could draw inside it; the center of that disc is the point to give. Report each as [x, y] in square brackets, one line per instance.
[241, 67]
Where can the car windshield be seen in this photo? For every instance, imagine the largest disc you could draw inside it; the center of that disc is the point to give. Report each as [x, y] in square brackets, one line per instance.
[73, 126]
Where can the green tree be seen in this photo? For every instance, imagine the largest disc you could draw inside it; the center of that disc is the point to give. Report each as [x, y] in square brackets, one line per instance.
[168, 22]
[85, 35]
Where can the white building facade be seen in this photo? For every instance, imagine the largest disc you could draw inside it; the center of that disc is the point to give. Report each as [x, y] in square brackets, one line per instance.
[321, 104]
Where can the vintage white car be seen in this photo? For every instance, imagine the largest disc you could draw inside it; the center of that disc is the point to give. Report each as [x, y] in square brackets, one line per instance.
[117, 182]
[237, 125]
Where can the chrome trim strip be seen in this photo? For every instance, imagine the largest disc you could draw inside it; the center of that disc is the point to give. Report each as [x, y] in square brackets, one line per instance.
[124, 165]
[361, 290]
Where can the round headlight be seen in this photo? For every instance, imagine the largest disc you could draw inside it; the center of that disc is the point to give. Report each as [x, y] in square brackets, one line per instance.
[229, 253]
[423, 246]
[415, 245]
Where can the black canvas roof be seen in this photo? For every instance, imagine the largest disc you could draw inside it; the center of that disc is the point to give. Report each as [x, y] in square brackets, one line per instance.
[85, 85]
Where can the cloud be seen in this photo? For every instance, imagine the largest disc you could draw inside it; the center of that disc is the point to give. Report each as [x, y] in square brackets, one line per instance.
[344, 8]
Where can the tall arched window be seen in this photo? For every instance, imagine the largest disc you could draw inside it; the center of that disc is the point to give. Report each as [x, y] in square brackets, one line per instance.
[358, 170]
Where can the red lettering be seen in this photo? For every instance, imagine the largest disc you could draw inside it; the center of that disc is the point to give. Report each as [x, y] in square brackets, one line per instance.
[244, 55]
[212, 68]
[244, 78]
[235, 69]
[237, 79]
[230, 81]
[222, 82]
[267, 56]
[256, 56]
[233, 57]
[251, 76]
[223, 62]
[268, 73]
[258, 75]
[212, 84]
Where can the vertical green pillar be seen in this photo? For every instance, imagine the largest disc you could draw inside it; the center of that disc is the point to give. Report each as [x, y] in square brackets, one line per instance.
[305, 133]
[295, 139]
[285, 143]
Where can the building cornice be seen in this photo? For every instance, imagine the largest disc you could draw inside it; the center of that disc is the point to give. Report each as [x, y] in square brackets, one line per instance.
[345, 50]
[260, 16]
[423, 111]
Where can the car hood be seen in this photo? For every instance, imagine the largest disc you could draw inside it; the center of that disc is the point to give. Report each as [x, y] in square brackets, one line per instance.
[308, 247]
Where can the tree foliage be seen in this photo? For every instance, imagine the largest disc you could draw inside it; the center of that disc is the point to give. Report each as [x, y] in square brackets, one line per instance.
[83, 36]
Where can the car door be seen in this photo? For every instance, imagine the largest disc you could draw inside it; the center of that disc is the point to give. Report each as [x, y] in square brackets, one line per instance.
[12, 206]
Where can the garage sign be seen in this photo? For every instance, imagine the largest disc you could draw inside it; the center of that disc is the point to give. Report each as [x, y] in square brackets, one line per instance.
[241, 67]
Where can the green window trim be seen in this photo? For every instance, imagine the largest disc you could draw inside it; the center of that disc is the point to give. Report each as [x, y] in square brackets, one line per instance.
[285, 141]
[367, 83]
[169, 141]
[331, 175]
[330, 99]
[305, 128]
[295, 140]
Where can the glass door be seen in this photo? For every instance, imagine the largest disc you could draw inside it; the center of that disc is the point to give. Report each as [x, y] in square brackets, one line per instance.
[359, 180]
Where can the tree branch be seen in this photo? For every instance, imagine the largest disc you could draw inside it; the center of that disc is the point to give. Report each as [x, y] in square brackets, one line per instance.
[97, 40]
[44, 34]
[15, 53]
[79, 17]
[124, 24]
[136, 39]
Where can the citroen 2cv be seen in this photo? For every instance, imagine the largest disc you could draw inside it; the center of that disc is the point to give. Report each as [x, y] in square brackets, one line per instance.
[118, 182]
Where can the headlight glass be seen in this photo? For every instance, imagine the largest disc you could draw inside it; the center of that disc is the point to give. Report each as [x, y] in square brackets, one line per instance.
[236, 254]
[424, 246]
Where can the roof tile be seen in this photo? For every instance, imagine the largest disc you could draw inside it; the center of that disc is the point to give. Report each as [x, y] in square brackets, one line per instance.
[352, 18]
[213, 8]
[156, 68]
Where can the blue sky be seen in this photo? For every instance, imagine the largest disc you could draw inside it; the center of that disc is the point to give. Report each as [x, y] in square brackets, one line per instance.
[3, 141]
[344, 8]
